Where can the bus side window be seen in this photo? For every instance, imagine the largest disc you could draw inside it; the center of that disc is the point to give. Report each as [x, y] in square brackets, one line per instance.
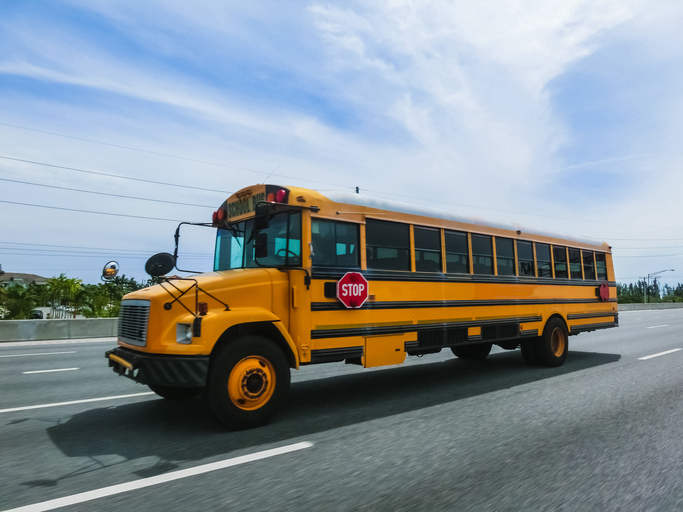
[543, 260]
[560, 257]
[457, 255]
[335, 244]
[588, 265]
[525, 257]
[427, 250]
[388, 245]
[575, 264]
[601, 266]
[482, 254]
[505, 257]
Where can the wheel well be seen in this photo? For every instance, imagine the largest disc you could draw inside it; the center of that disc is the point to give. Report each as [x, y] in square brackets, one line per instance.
[557, 315]
[264, 329]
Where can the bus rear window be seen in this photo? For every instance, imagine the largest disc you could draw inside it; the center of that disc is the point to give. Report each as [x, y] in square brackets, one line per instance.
[600, 265]
[588, 265]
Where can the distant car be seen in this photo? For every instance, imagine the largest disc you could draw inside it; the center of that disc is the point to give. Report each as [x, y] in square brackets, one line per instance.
[36, 313]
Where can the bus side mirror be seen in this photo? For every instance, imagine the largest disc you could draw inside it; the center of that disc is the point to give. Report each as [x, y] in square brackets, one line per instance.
[262, 217]
[261, 245]
[160, 264]
[109, 271]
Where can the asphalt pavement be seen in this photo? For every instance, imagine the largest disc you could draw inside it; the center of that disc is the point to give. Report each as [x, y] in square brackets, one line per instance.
[602, 432]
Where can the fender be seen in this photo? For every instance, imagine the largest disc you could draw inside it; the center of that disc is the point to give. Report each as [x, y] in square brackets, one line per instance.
[215, 324]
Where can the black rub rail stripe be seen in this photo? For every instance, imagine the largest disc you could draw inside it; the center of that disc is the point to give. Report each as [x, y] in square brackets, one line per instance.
[375, 275]
[334, 306]
[575, 329]
[582, 316]
[400, 329]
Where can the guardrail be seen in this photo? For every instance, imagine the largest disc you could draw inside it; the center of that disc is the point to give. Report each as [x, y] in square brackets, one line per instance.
[655, 305]
[34, 330]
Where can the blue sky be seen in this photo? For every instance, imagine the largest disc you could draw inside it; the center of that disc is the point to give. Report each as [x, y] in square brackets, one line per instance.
[565, 116]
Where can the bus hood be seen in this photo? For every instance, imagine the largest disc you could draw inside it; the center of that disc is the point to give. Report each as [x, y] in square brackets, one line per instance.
[238, 288]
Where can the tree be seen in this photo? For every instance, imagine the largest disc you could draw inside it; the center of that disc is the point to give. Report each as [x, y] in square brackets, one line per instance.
[20, 302]
[3, 301]
[63, 289]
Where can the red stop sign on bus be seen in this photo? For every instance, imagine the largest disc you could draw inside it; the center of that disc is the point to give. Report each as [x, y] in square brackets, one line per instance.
[352, 290]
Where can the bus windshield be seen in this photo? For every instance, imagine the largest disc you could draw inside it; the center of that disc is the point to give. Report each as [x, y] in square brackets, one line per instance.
[235, 245]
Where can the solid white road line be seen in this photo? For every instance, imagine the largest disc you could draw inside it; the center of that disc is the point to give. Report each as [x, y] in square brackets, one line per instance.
[660, 354]
[40, 354]
[156, 480]
[85, 401]
[657, 326]
[50, 371]
[11, 344]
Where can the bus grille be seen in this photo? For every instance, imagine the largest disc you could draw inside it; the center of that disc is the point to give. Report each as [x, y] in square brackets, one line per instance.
[133, 322]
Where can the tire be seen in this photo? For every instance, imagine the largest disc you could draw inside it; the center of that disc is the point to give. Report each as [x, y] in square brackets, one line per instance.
[173, 393]
[479, 351]
[550, 349]
[529, 351]
[248, 382]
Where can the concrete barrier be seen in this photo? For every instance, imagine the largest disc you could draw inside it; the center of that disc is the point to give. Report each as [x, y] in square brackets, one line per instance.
[656, 305]
[33, 330]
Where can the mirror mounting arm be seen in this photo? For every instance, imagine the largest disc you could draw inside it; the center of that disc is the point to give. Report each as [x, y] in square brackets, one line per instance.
[177, 238]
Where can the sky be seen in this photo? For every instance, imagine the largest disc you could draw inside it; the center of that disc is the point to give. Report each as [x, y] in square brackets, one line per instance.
[119, 119]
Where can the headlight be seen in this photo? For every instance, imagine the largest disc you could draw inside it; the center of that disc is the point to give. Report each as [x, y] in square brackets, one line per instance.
[183, 333]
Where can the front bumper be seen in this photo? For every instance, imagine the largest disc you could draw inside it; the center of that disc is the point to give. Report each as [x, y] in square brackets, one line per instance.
[160, 370]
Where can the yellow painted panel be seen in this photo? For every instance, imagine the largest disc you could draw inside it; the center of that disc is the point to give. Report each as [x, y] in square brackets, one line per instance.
[385, 350]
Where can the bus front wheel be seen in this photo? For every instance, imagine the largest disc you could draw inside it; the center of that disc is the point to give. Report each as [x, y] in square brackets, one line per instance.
[551, 348]
[248, 382]
[479, 351]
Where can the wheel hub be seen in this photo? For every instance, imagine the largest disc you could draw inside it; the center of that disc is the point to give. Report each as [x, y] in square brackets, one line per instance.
[251, 383]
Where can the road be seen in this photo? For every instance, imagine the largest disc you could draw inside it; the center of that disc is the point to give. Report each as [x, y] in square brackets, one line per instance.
[603, 432]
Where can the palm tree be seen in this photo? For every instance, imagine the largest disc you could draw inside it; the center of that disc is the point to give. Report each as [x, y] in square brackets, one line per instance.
[63, 288]
[20, 302]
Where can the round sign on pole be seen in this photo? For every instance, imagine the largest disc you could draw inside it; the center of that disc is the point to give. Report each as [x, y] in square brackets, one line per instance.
[352, 290]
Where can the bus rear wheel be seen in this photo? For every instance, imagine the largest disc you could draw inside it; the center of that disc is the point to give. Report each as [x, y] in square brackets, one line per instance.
[551, 348]
[248, 382]
[479, 351]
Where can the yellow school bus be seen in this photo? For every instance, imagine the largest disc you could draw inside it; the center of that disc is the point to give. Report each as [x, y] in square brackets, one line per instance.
[304, 278]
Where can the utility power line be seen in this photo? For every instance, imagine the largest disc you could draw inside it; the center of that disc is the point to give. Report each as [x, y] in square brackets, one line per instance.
[98, 173]
[105, 193]
[90, 211]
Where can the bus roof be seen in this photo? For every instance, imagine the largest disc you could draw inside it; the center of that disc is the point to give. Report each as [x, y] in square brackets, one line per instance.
[425, 211]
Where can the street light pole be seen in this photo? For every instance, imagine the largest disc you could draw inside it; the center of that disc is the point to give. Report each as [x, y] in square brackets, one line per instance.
[647, 285]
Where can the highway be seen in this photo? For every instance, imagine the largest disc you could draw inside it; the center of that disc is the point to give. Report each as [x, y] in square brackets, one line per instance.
[603, 432]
